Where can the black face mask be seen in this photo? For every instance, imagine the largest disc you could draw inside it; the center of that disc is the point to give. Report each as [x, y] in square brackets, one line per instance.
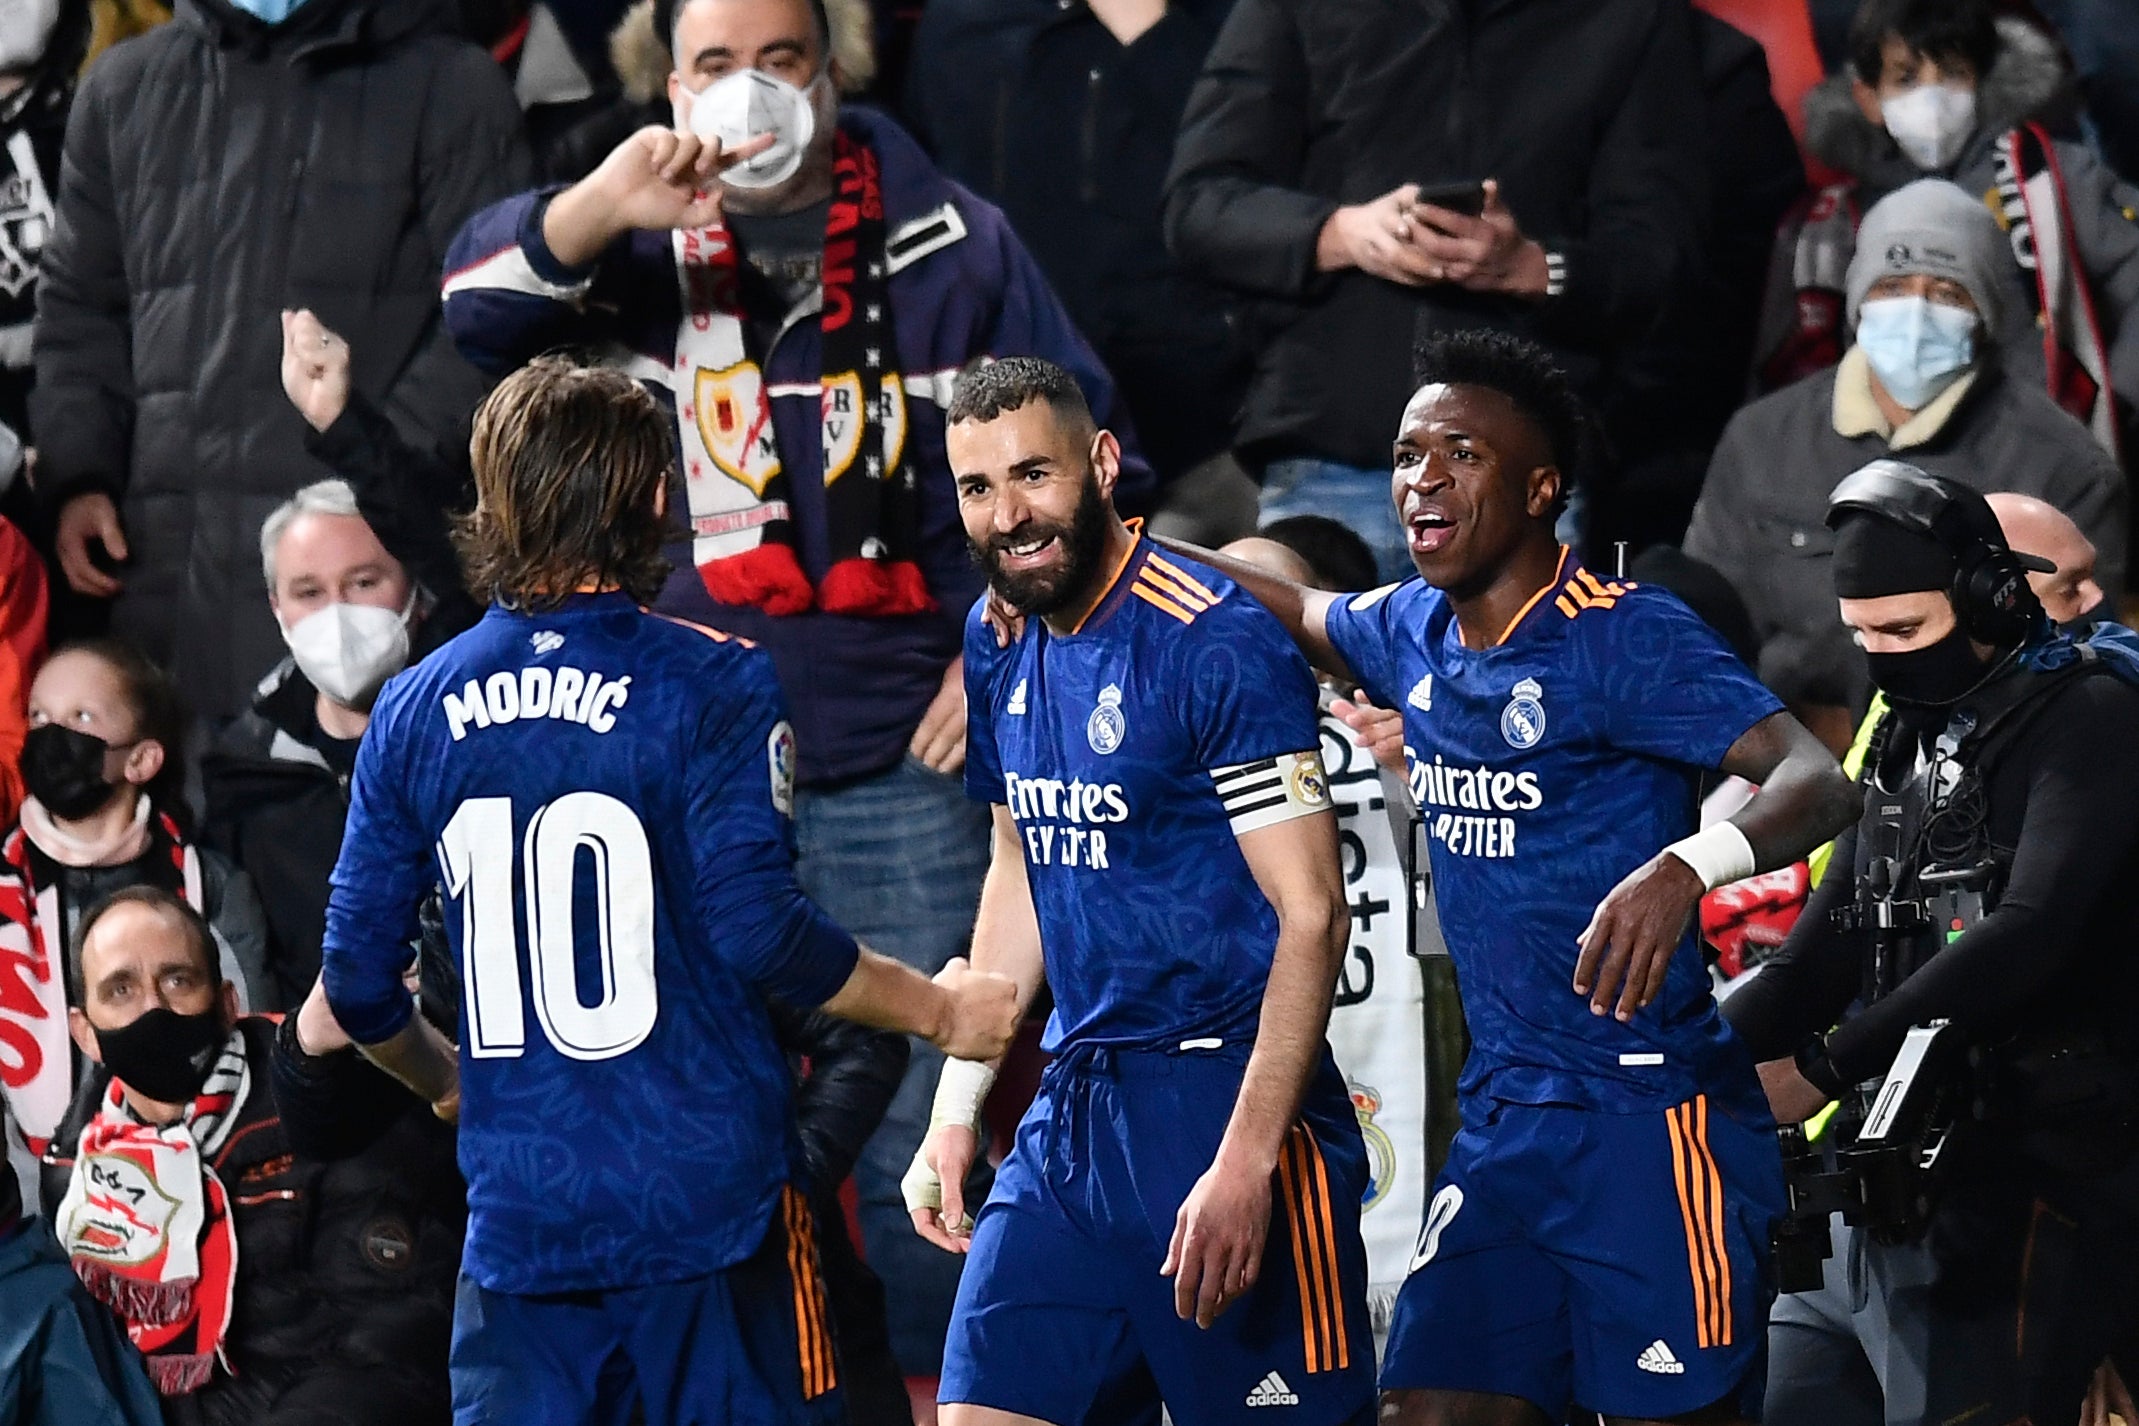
[163, 1055]
[64, 769]
[1932, 676]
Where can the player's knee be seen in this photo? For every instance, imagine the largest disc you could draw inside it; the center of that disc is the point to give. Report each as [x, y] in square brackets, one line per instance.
[1457, 1408]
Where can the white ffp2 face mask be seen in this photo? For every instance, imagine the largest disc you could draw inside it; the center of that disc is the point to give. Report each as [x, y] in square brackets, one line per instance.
[348, 651]
[1931, 122]
[738, 107]
[25, 29]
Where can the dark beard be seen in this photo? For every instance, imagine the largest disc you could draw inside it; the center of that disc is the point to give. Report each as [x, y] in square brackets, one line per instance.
[1084, 540]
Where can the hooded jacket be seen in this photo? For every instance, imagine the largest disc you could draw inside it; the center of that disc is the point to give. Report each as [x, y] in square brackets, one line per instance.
[217, 171]
[1588, 112]
[349, 1215]
[961, 287]
[2023, 85]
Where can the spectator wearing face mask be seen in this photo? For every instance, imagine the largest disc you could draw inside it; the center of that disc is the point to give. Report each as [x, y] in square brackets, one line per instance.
[104, 812]
[297, 1266]
[277, 780]
[1926, 377]
[1942, 88]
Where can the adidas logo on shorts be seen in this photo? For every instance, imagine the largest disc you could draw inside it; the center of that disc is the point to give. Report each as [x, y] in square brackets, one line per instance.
[1272, 1391]
[1656, 1357]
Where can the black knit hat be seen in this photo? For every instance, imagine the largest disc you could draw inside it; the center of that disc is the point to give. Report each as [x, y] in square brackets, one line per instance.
[1874, 557]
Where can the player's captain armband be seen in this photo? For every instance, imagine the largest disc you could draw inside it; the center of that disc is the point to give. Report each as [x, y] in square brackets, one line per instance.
[1272, 790]
[1719, 855]
[960, 1090]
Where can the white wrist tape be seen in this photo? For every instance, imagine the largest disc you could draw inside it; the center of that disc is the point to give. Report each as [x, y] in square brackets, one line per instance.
[960, 1090]
[1719, 855]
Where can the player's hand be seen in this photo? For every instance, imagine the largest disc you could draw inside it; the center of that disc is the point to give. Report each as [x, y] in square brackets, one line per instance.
[1792, 1098]
[983, 1015]
[1380, 729]
[940, 741]
[315, 369]
[448, 1108]
[658, 179]
[1218, 1236]
[1626, 948]
[1003, 617]
[935, 1186]
[89, 517]
[1487, 253]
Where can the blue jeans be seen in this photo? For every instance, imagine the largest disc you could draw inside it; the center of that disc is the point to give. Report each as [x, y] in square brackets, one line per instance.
[898, 859]
[1355, 496]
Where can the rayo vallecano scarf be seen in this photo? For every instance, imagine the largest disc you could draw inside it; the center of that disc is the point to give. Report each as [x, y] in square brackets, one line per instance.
[147, 1223]
[36, 1055]
[2031, 196]
[741, 520]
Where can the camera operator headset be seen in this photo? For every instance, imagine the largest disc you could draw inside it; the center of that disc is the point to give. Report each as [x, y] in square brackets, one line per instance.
[1992, 884]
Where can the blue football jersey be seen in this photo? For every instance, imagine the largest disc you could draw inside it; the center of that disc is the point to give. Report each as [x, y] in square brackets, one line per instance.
[1132, 754]
[1547, 768]
[604, 796]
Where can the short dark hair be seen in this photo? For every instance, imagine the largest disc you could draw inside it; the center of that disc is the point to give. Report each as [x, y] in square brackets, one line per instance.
[1941, 30]
[1340, 559]
[666, 13]
[569, 461]
[987, 389]
[159, 712]
[198, 931]
[1520, 370]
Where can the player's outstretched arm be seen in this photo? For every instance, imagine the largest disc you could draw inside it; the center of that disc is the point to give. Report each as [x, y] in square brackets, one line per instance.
[963, 1012]
[1804, 799]
[1006, 942]
[1218, 1237]
[1302, 611]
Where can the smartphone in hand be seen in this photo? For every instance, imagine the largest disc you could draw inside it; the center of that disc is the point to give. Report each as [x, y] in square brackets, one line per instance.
[1467, 198]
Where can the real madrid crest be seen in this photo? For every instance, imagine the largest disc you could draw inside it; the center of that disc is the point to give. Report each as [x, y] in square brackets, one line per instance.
[1106, 727]
[1522, 722]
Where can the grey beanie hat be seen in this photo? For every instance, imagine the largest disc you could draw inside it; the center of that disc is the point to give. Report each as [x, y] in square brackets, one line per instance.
[1935, 227]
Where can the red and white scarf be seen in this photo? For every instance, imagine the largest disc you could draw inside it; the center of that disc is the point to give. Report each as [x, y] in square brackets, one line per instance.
[742, 522]
[2031, 198]
[36, 1055]
[146, 1222]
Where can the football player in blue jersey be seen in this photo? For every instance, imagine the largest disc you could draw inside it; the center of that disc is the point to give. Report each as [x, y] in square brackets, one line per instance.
[604, 794]
[1599, 1238]
[1181, 1207]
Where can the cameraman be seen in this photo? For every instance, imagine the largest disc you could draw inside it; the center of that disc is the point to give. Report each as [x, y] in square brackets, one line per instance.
[1999, 850]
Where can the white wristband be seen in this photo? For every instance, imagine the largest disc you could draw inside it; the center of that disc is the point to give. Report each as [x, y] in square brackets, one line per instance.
[960, 1091]
[1719, 855]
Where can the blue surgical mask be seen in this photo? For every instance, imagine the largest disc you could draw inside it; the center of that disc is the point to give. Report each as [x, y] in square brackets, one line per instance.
[269, 12]
[1917, 347]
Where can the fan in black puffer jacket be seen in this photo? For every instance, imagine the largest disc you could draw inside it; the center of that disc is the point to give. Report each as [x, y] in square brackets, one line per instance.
[349, 1214]
[217, 171]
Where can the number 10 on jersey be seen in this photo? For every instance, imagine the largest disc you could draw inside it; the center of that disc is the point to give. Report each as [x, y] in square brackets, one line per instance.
[476, 853]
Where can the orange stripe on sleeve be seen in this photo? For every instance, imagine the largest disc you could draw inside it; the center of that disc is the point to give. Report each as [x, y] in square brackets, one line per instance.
[1566, 606]
[1168, 567]
[1288, 1178]
[1160, 601]
[1334, 1303]
[1166, 584]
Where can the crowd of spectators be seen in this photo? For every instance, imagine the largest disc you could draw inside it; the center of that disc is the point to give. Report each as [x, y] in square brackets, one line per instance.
[261, 259]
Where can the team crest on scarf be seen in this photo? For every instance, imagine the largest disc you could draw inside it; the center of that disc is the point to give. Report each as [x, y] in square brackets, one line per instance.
[729, 405]
[845, 423]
